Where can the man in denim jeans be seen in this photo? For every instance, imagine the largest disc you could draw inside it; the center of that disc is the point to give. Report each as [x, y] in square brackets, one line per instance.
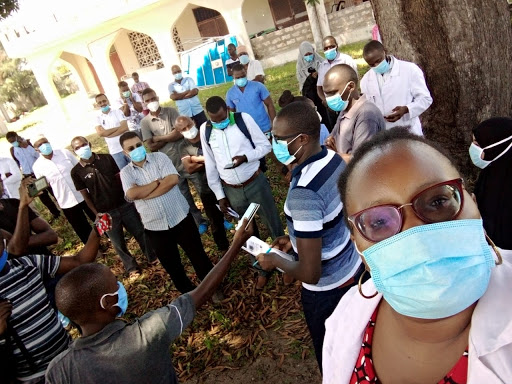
[96, 176]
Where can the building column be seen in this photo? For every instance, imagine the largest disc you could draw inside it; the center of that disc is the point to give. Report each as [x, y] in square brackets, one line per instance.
[236, 26]
[100, 59]
[315, 26]
[41, 67]
[322, 18]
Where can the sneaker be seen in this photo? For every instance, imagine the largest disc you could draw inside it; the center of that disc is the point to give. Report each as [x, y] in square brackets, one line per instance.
[203, 228]
[227, 225]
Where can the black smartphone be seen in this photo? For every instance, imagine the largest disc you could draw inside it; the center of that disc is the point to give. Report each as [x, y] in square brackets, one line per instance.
[37, 186]
[230, 166]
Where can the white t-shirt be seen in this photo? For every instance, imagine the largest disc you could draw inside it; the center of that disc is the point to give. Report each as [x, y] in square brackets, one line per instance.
[254, 69]
[109, 120]
[58, 174]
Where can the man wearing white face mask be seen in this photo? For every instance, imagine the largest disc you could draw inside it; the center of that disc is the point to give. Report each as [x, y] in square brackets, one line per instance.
[359, 118]
[183, 90]
[159, 134]
[397, 87]
[193, 161]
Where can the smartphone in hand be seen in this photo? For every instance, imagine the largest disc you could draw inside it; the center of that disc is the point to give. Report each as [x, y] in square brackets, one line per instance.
[37, 186]
[230, 166]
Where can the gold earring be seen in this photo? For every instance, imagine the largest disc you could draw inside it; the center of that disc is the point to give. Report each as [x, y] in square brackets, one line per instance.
[491, 243]
[360, 284]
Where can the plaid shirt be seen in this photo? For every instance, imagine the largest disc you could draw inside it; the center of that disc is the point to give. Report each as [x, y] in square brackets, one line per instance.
[162, 212]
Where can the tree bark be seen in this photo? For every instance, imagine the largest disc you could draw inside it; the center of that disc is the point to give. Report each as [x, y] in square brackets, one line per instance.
[465, 50]
[315, 26]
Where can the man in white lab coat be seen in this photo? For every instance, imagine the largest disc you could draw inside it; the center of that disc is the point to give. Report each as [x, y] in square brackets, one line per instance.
[397, 87]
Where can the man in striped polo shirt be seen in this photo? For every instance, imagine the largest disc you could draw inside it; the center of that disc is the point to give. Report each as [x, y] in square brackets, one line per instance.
[326, 260]
[26, 317]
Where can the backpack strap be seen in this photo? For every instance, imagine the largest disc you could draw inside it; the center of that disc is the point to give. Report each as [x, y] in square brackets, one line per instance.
[239, 120]
[208, 131]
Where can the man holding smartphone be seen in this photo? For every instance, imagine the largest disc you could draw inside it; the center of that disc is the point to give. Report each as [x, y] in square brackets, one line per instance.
[244, 183]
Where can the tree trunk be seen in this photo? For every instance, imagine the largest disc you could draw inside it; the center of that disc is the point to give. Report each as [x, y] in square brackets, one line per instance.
[315, 26]
[325, 28]
[464, 48]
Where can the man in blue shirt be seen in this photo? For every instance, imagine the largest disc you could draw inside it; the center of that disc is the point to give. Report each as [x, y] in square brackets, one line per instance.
[184, 92]
[251, 97]
[327, 262]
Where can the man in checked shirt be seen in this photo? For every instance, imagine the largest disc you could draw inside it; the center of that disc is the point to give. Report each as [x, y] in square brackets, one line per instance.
[150, 180]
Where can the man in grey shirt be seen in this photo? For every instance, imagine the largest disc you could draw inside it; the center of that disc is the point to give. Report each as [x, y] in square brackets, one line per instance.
[113, 351]
[158, 134]
[359, 118]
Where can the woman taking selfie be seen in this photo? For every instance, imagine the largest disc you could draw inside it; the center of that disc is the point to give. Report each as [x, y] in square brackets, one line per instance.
[436, 309]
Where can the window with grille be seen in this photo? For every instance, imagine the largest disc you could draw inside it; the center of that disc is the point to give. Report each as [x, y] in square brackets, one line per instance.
[177, 40]
[202, 14]
[145, 50]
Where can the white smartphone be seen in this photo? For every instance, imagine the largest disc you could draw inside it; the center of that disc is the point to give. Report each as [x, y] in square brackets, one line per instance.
[249, 215]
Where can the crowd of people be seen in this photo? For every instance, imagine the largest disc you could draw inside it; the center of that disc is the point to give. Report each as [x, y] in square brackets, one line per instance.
[401, 268]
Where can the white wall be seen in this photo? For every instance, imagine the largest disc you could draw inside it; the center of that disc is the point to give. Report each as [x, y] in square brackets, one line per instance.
[187, 28]
[257, 16]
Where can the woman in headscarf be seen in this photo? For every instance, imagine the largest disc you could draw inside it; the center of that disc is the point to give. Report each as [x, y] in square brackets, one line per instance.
[308, 58]
[491, 151]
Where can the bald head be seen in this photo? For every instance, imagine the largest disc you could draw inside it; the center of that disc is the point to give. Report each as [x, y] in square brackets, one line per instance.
[339, 76]
[78, 293]
[183, 123]
[329, 42]
[175, 69]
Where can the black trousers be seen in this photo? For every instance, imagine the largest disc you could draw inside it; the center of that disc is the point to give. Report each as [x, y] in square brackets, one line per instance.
[77, 218]
[165, 243]
[216, 220]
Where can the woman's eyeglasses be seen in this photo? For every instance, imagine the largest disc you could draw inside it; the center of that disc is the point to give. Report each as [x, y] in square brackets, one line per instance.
[440, 202]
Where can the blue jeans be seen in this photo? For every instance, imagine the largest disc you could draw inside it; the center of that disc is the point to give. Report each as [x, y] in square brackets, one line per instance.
[121, 159]
[126, 216]
[318, 306]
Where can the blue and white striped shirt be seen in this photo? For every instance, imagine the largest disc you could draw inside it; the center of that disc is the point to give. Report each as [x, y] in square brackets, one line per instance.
[162, 212]
[313, 209]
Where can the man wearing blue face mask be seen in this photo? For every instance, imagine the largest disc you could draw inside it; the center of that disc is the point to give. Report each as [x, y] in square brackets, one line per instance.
[112, 350]
[251, 97]
[232, 163]
[25, 310]
[326, 261]
[151, 182]
[183, 90]
[359, 118]
[131, 105]
[56, 166]
[397, 87]
[332, 57]
[253, 68]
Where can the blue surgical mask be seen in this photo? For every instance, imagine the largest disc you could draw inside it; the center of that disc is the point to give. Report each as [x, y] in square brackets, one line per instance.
[336, 103]
[178, 76]
[432, 271]
[475, 152]
[383, 67]
[122, 299]
[280, 149]
[45, 149]
[15, 143]
[84, 152]
[331, 54]
[138, 154]
[3, 258]
[241, 82]
[244, 59]
[105, 109]
[221, 125]
[309, 58]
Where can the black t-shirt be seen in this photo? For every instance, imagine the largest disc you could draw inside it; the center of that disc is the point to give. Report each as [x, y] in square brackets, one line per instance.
[101, 178]
[9, 217]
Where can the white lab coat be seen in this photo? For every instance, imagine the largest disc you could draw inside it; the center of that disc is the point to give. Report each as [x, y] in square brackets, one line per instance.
[490, 336]
[404, 86]
[11, 183]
